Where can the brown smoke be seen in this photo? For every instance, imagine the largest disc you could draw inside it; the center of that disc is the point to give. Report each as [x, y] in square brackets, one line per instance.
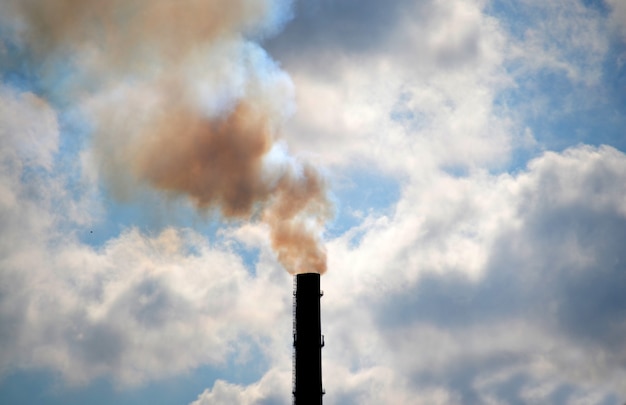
[165, 29]
[220, 163]
[216, 162]
[159, 132]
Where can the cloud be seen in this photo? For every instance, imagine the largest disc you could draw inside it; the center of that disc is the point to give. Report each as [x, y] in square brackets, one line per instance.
[139, 307]
[425, 88]
[436, 35]
[459, 84]
[142, 308]
[517, 284]
[270, 390]
[330, 30]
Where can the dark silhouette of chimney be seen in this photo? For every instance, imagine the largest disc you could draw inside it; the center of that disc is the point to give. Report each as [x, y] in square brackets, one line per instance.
[307, 340]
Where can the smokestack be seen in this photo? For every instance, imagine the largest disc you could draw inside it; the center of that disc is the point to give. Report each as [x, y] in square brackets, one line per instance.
[307, 340]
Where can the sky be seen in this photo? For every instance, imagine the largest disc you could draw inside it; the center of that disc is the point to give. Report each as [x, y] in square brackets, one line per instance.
[456, 170]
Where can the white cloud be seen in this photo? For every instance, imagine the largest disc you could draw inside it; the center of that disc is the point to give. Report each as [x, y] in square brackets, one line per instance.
[423, 91]
[447, 82]
[140, 308]
[527, 277]
[272, 389]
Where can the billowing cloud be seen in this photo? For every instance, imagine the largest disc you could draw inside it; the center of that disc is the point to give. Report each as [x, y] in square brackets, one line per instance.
[425, 87]
[487, 299]
[28, 128]
[269, 390]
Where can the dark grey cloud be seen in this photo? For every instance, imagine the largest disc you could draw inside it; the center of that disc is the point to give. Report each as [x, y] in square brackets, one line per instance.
[102, 344]
[537, 262]
[324, 34]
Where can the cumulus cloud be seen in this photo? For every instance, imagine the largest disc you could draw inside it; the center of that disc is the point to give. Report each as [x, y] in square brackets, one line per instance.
[425, 88]
[140, 307]
[459, 84]
[267, 391]
[533, 289]
[566, 38]
[28, 127]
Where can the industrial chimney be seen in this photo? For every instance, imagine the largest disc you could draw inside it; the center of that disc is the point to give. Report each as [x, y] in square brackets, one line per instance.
[307, 340]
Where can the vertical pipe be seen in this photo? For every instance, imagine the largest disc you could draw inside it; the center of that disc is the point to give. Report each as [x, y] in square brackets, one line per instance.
[308, 340]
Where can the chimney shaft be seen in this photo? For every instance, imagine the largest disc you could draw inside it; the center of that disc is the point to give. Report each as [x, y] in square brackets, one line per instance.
[307, 340]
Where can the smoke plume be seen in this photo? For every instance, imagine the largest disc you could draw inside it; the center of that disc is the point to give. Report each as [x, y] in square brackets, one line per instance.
[184, 100]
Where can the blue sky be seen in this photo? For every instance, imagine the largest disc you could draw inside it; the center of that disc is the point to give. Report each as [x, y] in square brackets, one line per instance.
[471, 154]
